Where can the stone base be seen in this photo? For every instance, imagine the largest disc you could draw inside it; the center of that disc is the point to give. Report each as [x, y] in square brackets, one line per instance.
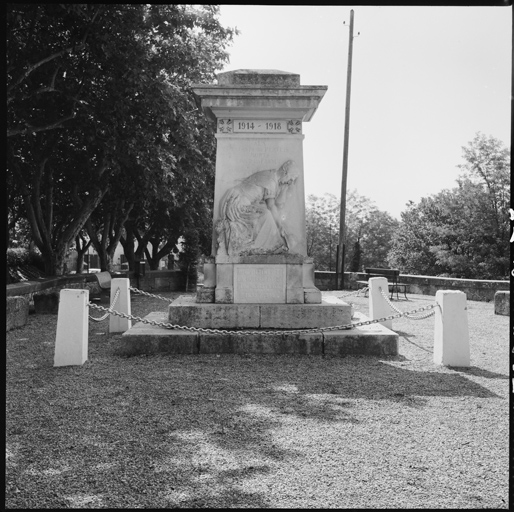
[502, 303]
[369, 340]
[205, 294]
[264, 279]
[185, 311]
[46, 303]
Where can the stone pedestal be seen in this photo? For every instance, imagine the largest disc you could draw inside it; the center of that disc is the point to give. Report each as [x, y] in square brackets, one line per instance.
[259, 245]
[184, 311]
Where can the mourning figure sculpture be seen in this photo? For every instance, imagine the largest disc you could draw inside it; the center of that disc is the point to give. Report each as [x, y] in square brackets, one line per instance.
[250, 220]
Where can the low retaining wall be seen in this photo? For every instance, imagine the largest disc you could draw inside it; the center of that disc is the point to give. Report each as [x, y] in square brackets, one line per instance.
[20, 296]
[162, 280]
[475, 289]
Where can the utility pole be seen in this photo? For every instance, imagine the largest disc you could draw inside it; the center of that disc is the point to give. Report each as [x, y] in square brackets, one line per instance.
[342, 219]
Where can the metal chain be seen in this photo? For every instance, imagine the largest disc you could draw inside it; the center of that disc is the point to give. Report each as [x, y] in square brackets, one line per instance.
[407, 315]
[356, 293]
[116, 295]
[268, 333]
[141, 292]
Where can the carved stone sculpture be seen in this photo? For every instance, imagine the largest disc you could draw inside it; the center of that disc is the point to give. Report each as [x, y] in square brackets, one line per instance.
[250, 220]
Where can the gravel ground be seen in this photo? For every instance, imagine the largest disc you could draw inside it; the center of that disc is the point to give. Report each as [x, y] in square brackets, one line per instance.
[258, 431]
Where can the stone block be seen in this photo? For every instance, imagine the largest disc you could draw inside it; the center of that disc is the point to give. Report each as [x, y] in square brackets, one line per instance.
[225, 276]
[46, 303]
[185, 311]
[502, 303]
[17, 312]
[368, 340]
[294, 284]
[371, 340]
[205, 294]
[305, 316]
[341, 343]
[145, 338]
[311, 296]
[217, 344]
[224, 295]
[307, 344]
[259, 284]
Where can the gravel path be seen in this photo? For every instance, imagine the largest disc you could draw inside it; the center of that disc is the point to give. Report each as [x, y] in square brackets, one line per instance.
[259, 431]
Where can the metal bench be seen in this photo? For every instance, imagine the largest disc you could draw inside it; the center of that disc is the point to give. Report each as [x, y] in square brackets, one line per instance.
[104, 280]
[391, 275]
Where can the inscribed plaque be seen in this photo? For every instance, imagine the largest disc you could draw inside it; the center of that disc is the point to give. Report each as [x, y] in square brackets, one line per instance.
[262, 284]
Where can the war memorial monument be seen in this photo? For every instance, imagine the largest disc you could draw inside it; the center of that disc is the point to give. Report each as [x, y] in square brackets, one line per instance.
[259, 276]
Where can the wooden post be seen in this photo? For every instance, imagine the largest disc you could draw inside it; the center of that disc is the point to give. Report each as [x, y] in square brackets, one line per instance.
[342, 213]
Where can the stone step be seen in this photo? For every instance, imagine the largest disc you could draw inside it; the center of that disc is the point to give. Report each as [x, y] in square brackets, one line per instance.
[331, 312]
[369, 340]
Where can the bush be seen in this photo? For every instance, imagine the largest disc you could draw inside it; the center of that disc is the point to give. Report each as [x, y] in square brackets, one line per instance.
[17, 256]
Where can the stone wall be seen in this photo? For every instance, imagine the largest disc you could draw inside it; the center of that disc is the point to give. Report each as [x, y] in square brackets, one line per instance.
[480, 290]
[162, 280]
[20, 296]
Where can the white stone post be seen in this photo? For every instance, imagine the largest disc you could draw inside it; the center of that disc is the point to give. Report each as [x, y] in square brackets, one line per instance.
[451, 334]
[72, 328]
[118, 323]
[378, 306]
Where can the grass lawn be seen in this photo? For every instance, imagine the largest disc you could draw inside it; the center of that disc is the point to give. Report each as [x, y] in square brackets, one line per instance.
[258, 431]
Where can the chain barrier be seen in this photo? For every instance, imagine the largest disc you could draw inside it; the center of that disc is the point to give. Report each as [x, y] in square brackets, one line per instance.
[141, 292]
[356, 293]
[110, 310]
[167, 325]
[407, 315]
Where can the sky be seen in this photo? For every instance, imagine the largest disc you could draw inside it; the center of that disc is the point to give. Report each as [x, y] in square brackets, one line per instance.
[425, 80]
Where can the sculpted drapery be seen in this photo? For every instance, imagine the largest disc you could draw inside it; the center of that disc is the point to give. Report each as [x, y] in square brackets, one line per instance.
[250, 219]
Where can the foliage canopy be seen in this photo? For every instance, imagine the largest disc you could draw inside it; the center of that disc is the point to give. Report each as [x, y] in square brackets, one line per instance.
[101, 118]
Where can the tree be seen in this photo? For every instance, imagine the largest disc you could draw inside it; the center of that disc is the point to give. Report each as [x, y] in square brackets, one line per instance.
[95, 91]
[321, 217]
[462, 232]
[369, 231]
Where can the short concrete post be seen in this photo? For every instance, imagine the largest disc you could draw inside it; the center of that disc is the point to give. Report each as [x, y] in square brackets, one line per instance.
[209, 275]
[118, 323]
[378, 307]
[451, 335]
[71, 338]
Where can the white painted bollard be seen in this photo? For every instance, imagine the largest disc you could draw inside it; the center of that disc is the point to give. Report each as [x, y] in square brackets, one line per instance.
[118, 323]
[451, 334]
[71, 338]
[378, 307]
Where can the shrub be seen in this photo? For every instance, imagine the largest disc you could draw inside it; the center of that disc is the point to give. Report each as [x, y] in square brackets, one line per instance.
[17, 256]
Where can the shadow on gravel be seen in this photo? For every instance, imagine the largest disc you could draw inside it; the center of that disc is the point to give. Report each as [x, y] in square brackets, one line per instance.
[186, 431]
[479, 372]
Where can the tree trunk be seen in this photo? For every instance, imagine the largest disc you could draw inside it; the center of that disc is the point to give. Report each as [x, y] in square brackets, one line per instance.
[128, 246]
[54, 262]
[356, 257]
